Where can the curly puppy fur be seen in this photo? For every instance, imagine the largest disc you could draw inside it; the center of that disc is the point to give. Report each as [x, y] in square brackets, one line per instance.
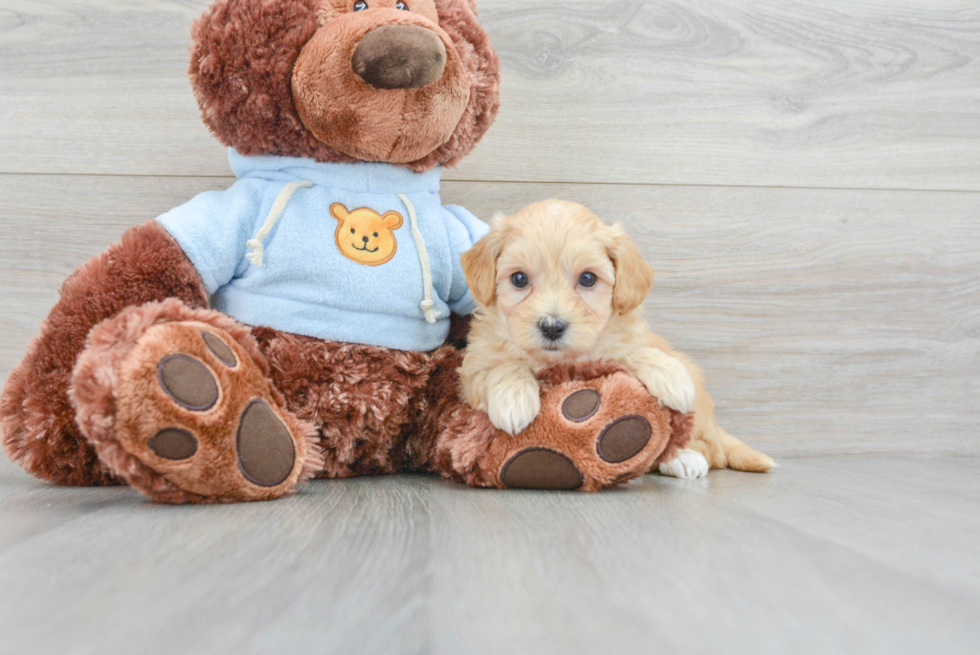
[600, 316]
[463, 445]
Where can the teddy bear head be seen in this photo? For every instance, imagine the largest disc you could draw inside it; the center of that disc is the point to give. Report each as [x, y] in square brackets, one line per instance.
[364, 235]
[408, 82]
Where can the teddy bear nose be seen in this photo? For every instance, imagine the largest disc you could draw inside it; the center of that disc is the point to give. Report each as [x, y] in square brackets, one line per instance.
[364, 239]
[399, 57]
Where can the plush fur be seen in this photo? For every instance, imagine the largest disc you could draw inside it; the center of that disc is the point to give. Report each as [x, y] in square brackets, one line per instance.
[461, 442]
[87, 401]
[362, 398]
[113, 403]
[36, 417]
[343, 111]
[241, 68]
[602, 319]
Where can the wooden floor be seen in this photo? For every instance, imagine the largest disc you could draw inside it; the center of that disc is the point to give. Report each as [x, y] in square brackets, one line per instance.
[805, 177]
[873, 554]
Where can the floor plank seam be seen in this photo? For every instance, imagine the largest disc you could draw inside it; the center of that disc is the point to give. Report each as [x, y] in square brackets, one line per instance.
[682, 185]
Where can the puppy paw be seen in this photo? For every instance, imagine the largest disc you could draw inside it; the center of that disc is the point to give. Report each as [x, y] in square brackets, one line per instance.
[513, 407]
[689, 464]
[671, 383]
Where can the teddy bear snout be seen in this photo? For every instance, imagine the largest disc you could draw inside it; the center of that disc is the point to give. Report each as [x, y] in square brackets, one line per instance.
[398, 56]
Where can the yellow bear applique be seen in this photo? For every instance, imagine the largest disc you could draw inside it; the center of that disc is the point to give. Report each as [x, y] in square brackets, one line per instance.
[364, 235]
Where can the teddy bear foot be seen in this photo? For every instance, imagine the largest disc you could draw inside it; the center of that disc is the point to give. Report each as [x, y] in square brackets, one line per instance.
[590, 434]
[598, 427]
[183, 410]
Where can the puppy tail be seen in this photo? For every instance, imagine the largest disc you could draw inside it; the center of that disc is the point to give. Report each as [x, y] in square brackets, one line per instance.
[741, 457]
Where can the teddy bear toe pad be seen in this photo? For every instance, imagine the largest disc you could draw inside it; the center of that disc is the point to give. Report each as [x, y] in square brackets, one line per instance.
[173, 443]
[197, 411]
[188, 382]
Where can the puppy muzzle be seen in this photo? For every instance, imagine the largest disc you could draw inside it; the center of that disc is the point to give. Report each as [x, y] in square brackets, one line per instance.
[552, 329]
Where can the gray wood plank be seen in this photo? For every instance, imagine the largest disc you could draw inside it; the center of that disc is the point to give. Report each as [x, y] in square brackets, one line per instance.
[863, 503]
[826, 93]
[828, 321]
[412, 564]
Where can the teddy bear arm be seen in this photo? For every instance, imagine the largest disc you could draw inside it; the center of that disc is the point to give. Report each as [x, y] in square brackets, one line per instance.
[36, 418]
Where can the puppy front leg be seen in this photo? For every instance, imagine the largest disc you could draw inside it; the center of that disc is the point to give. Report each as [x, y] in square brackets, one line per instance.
[669, 380]
[665, 377]
[513, 397]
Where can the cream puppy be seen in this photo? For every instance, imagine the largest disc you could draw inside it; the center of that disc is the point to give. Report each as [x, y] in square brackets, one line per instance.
[557, 285]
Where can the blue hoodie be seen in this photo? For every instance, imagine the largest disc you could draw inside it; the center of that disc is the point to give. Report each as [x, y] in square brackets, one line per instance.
[329, 250]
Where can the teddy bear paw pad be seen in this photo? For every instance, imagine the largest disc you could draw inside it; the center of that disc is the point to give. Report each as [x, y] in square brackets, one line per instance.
[540, 468]
[195, 409]
[265, 448]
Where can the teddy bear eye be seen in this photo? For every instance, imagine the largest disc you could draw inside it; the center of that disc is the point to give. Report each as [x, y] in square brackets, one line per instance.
[588, 279]
[375, 235]
[401, 5]
[352, 230]
[519, 279]
[360, 5]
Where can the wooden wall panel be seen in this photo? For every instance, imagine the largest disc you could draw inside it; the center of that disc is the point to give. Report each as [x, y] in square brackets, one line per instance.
[828, 321]
[808, 93]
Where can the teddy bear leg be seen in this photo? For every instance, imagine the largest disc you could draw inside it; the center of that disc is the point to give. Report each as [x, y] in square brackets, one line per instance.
[362, 399]
[36, 418]
[178, 403]
[598, 427]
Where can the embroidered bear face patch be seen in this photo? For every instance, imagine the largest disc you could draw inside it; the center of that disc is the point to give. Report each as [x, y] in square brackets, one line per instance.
[364, 235]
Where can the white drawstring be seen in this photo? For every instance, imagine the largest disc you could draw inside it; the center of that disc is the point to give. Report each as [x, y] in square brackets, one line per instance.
[427, 305]
[278, 207]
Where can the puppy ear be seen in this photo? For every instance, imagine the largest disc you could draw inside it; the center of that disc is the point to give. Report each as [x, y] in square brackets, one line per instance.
[480, 265]
[392, 220]
[634, 277]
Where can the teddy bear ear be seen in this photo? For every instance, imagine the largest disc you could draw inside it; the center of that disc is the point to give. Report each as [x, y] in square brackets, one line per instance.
[392, 220]
[339, 212]
[250, 106]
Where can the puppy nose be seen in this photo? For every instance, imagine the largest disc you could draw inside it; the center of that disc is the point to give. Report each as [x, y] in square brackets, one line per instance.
[400, 57]
[364, 239]
[552, 327]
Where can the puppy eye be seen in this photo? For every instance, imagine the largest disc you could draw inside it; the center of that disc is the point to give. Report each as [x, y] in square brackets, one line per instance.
[587, 279]
[401, 5]
[360, 5]
[519, 279]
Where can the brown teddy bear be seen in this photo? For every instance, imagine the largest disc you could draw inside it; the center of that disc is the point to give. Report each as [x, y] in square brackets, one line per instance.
[299, 323]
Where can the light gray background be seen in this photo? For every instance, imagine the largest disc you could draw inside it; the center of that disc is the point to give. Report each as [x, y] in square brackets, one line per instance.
[805, 178]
